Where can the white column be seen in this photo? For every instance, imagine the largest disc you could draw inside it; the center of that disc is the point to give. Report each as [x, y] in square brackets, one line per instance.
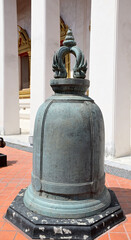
[45, 40]
[123, 80]
[9, 85]
[110, 72]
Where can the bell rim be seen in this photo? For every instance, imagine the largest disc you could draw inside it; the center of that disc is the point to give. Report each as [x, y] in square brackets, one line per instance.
[66, 209]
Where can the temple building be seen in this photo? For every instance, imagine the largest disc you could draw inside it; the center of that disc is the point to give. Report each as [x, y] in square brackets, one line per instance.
[31, 31]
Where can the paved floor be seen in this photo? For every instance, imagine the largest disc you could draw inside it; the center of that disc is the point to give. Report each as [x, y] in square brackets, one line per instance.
[17, 175]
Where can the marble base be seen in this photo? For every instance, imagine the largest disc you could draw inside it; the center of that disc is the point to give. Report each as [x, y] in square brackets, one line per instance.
[41, 227]
[3, 160]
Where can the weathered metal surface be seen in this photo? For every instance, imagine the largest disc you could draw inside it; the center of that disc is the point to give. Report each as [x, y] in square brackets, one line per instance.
[68, 178]
[71, 160]
[79, 70]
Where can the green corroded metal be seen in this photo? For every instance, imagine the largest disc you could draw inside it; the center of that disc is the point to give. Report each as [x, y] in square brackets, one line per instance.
[68, 179]
[79, 70]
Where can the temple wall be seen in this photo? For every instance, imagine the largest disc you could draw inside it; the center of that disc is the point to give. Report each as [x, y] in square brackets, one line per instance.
[24, 15]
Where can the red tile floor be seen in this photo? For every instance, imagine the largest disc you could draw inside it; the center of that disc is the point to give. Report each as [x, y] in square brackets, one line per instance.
[17, 175]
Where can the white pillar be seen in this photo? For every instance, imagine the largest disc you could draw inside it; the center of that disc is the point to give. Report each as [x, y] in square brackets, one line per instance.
[45, 40]
[108, 70]
[9, 85]
[123, 80]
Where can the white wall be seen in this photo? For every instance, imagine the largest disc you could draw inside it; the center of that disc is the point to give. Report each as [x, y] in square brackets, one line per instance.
[110, 70]
[9, 84]
[123, 80]
[45, 40]
[1, 67]
[76, 14]
[102, 63]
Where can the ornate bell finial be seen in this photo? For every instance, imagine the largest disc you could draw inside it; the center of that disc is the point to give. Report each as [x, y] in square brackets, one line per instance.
[79, 70]
[69, 39]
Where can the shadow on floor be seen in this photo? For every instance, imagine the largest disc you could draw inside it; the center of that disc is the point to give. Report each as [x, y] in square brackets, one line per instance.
[9, 163]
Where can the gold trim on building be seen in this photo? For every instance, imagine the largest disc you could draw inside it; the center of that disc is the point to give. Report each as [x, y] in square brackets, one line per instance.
[24, 93]
[63, 31]
[24, 47]
[24, 42]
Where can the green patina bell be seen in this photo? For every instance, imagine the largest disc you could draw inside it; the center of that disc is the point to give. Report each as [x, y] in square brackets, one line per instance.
[68, 179]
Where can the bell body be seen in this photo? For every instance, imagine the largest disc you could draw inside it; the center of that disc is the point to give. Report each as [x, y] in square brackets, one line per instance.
[68, 179]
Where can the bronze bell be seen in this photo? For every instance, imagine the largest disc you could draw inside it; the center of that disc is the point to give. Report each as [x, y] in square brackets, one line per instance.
[68, 179]
[67, 197]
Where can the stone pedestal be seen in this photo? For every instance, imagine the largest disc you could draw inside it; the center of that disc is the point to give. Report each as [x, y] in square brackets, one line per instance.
[3, 160]
[41, 227]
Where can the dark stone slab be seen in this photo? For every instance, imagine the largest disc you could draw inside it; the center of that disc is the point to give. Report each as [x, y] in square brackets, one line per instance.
[41, 227]
[3, 160]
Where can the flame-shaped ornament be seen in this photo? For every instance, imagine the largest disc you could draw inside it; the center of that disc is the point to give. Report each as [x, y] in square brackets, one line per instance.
[80, 68]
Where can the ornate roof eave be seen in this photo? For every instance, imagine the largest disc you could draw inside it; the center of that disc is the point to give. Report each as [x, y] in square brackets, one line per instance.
[63, 29]
[24, 42]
